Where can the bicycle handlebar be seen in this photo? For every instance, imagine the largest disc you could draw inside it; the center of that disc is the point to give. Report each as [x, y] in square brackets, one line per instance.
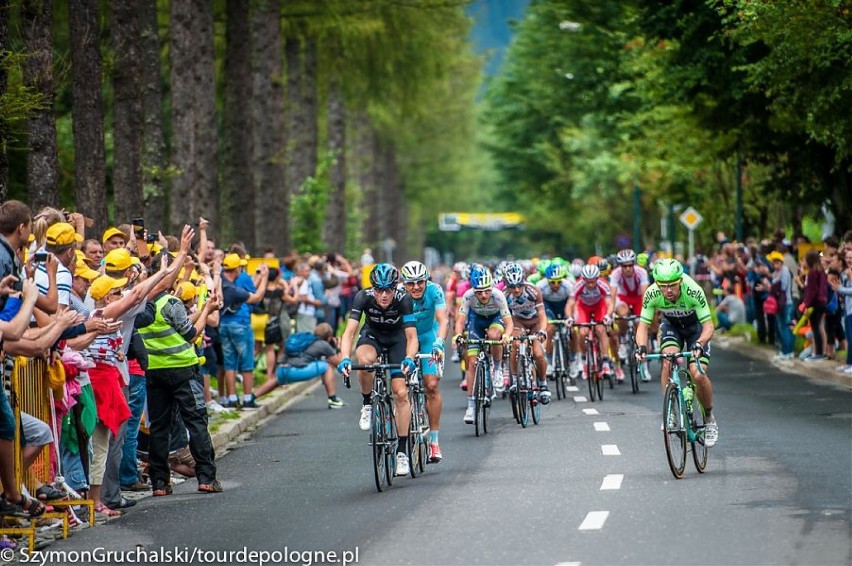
[589, 324]
[628, 317]
[484, 342]
[674, 356]
[557, 321]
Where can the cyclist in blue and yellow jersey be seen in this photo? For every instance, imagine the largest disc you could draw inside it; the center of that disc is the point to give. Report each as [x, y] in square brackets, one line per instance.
[686, 322]
[430, 312]
[555, 292]
[527, 308]
[389, 324]
[485, 315]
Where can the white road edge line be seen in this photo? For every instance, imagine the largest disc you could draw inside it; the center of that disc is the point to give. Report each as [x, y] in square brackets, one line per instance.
[591, 411]
[601, 426]
[594, 521]
[612, 481]
[610, 450]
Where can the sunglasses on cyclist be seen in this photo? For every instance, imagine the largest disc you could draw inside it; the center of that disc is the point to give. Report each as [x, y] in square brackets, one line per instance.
[554, 281]
[483, 292]
[628, 264]
[671, 285]
[419, 283]
[384, 291]
[518, 286]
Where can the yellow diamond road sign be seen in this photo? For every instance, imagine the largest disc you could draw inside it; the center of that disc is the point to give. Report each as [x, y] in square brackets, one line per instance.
[690, 218]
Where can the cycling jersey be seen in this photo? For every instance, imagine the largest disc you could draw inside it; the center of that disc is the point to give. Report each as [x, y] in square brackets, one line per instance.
[462, 287]
[425, 307]
[591, 297]
[628, 287]
[496, 304]
[398, 315]
[554, 300]
[689, 310]
[525, 306]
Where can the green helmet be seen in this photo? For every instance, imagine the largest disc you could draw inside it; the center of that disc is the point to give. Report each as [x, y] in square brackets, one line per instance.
[542, 266]
[667, 270]
[642, 259]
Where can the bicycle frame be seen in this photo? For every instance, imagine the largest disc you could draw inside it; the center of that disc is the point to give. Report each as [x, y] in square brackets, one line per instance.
[632, 366]
[560, 356]
[482, 386]
[526, 389]
[592, 348]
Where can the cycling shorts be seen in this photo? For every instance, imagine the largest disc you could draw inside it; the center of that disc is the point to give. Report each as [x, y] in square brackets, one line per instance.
[395, 345]
[427, 342]
[633, 302]
[585, 312]
[477, 328]
[674, 335]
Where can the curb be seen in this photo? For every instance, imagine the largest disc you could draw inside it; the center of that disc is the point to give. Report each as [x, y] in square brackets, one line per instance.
[275, 402]
[821, 371]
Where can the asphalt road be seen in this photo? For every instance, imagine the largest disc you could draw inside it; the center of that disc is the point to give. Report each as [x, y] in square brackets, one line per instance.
[777, 489]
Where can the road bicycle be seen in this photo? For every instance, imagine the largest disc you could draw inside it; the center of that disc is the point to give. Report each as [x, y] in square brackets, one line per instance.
[483, 388]
[560, 358]
[523, 390]
[683, 416]
[418, 435]
[384, 438]
[593, 363]
[630, 338]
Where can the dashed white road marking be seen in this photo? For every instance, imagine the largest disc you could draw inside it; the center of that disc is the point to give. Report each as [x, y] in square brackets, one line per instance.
[572, 388]
[568, 563]
[601, 427]
[580, 399]
[610, 450]
[594, 520]
[591, 411]
[612, 481]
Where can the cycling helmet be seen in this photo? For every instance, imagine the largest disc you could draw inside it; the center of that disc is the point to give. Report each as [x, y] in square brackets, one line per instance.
[414, 271]
[594, 260]
[514, 274]
[543, 265]
[459, 266]
[481, 279]
[576, 269]
[464, 272]
[591, 272]
[384, 276]
[603, 265]
[642, 259]
[667, 270]
[625, 256]
[555, 272]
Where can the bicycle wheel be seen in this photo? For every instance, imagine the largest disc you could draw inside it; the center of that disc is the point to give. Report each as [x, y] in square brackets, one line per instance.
[513, 398]
[598, 377]
[392, 440]
[633, 368]
[414, 426]
[532, 397]
[479, 395]
[425, 428]
[557, 367]
[673, 430]
[377, 442]
[591, 371]
[699, 449]
[489, 397]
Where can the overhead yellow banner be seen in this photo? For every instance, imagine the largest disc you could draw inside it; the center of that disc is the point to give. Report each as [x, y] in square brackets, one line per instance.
[454, 221]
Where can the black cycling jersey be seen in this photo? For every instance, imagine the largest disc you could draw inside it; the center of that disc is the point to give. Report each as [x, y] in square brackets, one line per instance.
[398, 315]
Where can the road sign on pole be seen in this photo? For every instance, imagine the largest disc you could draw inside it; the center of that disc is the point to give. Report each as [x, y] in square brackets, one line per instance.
[691, 219]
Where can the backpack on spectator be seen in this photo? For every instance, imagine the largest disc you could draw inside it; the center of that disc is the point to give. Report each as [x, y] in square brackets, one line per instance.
[770, 305]
[832, 304]
[297, 343]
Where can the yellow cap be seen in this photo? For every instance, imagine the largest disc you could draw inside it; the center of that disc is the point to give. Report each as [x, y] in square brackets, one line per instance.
[233, 261]
[119, 259]
[62, 234]
[775, 256]
[110, 232]
[102, 286]
[83, 270]
[185, 291]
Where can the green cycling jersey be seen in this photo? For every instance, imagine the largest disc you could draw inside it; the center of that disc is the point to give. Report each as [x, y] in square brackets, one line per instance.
[689, 309]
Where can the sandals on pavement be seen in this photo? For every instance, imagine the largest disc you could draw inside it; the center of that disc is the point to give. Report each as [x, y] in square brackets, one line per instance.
[48, 493]
[212, 487]
[102, 509]
[25, 507]
[161, 490]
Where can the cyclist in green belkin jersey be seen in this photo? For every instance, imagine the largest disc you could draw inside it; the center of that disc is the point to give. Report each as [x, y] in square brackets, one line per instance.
[685, 322]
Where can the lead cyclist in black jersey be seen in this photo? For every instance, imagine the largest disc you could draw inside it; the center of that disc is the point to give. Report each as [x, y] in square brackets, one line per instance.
[389, 324]
[686, 321]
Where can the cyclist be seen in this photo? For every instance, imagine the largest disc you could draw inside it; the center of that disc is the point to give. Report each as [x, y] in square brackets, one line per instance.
[591, 297]
[389, 324]
[461, 287]
[527, 308]
[430, 313]
[685, 322]
[489, 318]
[629, 283]
[555, 291]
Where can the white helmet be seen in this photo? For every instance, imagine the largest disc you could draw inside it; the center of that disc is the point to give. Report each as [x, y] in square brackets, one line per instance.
[591, 272]
[625, 256]
[414, 271]
[575, 269]
[514, 274]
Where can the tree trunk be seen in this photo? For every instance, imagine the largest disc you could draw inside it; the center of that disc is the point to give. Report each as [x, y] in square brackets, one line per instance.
[302, 112]
[153, 139]
[334, 231]
[4, 135]
[372, 192]
[272, 202]
[127, 112]
[193, 191]
[238, 214]
[391, 199]
[310, 106]
[294, 114]
[42, 159]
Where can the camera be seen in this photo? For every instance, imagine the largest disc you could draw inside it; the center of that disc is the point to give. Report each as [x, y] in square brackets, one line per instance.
[18, 285]
[40, 257]
[151, 238]
[138, 226]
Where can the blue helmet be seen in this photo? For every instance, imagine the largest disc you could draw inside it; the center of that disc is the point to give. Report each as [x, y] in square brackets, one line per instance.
[555, 272]
[481, 279]
[384, 276]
